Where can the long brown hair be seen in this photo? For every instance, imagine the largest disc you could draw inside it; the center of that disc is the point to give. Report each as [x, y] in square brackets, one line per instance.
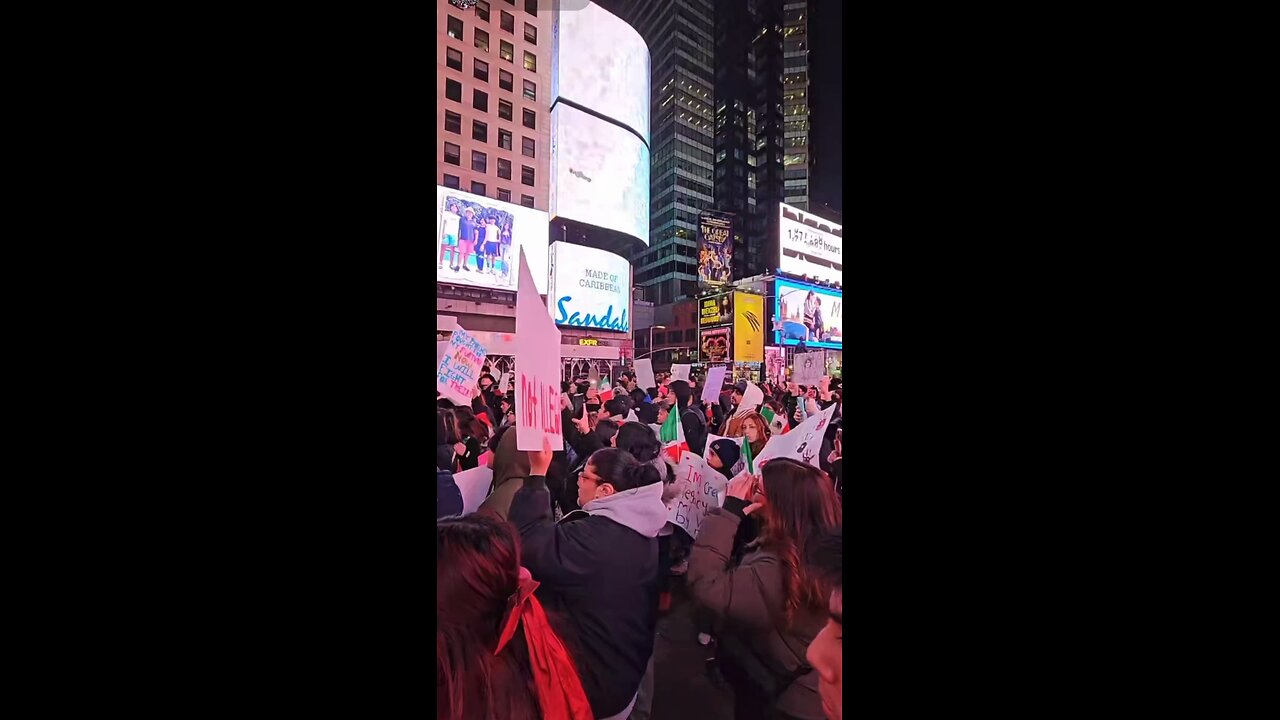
[734, 429]
[477, 570]
[800, 506]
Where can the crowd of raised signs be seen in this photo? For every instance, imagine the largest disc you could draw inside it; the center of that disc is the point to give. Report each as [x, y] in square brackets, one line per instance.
[554, 566]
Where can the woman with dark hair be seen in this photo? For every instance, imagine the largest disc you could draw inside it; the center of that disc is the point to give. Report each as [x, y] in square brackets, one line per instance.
[448, 441]
[474, 436]
[599, 568]
[770, 605]
[497, 656]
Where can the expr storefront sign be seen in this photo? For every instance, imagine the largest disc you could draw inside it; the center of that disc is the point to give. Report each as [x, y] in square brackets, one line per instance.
[589, 288]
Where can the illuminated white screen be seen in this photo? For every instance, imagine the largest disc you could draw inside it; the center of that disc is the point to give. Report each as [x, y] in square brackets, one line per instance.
[492, 263]
[600, 173]
[808, 250]
[590, 288]
[602, 64]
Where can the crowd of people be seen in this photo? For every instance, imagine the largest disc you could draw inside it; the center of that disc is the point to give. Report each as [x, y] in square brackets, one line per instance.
[548, 596]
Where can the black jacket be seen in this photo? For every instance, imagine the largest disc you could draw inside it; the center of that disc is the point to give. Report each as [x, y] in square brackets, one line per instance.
[695, 429]
[448, 496]
[444, 457]
[600, 578]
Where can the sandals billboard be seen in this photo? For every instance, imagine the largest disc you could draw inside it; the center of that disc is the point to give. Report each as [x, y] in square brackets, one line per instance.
[590, 288]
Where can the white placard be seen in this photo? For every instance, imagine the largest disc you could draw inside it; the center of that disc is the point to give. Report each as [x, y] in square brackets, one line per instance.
[460, 367]
[808, 368]
[504, 383]
[537, 369]
[474, 485]
[644, 374]
[803, 443]
[680, 372]
[715, 381]
[699, 487]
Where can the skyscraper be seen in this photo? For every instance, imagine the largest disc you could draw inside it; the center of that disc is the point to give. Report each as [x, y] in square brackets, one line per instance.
[680, 38]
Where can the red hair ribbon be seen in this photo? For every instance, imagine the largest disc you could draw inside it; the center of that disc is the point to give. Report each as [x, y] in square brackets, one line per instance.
[560, 690]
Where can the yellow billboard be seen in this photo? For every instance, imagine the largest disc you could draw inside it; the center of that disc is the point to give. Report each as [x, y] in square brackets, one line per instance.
[748, 327]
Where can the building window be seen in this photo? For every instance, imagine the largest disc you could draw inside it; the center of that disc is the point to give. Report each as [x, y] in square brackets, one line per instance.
[659, 337]
[526, 200]
[477, 188]
[504, 139]
[507, 51]
[504, 169]
[531, 6]
[479, 161]
[480, 100]
[504, 110]
[452, 122]
[530, 62]
[526, 175]
[531, 34]
[453, 90]
[506, 81]
[528, 147]
[508, 22]
[504, 195]
[530, 90]
[455, 28]
[482, 40]
[688, 334]
[453, 58]
[452, 154]
[481, 70]
[452, 181]
[479, 131]
[482, 10]
[530, 119]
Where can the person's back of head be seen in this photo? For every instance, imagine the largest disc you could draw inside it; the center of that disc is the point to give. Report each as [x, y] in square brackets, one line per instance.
[616, 407]
[447, 429]
[639, 440]
[606, 429]
[621, 470]
[800, 504]
[683, 393]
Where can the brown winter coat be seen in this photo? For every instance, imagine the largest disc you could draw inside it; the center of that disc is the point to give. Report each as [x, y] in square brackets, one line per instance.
[510, 468]
[748, 602]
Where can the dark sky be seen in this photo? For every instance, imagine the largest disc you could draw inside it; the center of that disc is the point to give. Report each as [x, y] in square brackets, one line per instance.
[826, 54]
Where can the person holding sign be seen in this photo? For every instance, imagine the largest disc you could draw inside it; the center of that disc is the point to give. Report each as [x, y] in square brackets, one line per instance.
[599, 568]
[770, 605]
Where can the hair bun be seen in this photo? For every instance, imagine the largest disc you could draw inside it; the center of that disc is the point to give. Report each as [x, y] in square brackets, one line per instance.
[643, 474]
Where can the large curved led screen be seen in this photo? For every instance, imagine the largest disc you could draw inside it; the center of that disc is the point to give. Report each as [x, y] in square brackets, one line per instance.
[809, 245]
[590, 288]
[600, 173]
[602, 63]
[478, 240]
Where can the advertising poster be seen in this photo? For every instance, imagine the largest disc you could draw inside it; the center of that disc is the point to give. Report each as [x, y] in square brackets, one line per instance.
[478, 240]
[809, 245]
[717, 345]
[715, 248]
[809, 313]
[715, 311]
[748, 327]
[537, 370]
[590, 288]
[775, 364]
[600, 173]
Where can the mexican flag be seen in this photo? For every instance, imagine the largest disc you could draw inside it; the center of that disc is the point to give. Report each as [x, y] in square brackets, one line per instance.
[605, 392]
[778, 427]
[747, 461]
[672, 436]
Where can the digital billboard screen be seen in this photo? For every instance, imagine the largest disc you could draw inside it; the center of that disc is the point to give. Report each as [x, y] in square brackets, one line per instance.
[809, 313]
[715, 310]
[717, 345]
[600, 173]
[478, 240]
[809, 245]
[601, 63]
[590, 288]
[715, 248]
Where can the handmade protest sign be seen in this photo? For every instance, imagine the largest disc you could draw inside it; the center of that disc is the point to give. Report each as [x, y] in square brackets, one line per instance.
[442, 346]
[698, 489]
[504, 383]
[644, 374]
[808, 368]
[803, 443]
[460, 366]
[474, 486]
[537, 369]
[715, 380]
[680, 372]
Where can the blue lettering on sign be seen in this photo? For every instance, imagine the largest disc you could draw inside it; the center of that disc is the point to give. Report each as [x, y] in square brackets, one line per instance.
[605, 322]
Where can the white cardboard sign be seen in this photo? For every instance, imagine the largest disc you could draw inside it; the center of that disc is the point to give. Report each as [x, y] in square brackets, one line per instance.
[680, 372]
[808, 368]
[803, 443]
[459, 369]
[644, 374]
[699, 488]
[474, 485]
[537, 369]
[715, 380]
[504, 383]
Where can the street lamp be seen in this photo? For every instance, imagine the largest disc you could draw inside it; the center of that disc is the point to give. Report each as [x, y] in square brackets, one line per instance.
[651, 329]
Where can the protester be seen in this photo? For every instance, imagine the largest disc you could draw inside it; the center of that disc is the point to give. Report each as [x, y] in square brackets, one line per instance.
[770, 605]
[448, 496]
[510, 467]
[497, 656]
[691, 422]
[474, 437]
[826, 652]
[599, 568]
[449, 443]
[724, 454]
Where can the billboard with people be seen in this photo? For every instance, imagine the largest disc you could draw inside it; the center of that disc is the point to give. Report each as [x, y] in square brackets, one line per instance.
[715, 248]
[808, 313]
[478, 240]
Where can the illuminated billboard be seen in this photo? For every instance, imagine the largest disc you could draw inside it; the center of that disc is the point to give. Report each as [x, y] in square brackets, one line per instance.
[748, 327]
[809, 245]
[478, 240]
[601, 63]
[809, 313]
[590, 288]
[599, 173]
[715, 310]
[715, 248]
[717, 345]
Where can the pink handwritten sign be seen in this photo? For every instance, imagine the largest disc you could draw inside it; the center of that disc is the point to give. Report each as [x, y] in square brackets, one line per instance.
[459, 369]
[537, 369]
